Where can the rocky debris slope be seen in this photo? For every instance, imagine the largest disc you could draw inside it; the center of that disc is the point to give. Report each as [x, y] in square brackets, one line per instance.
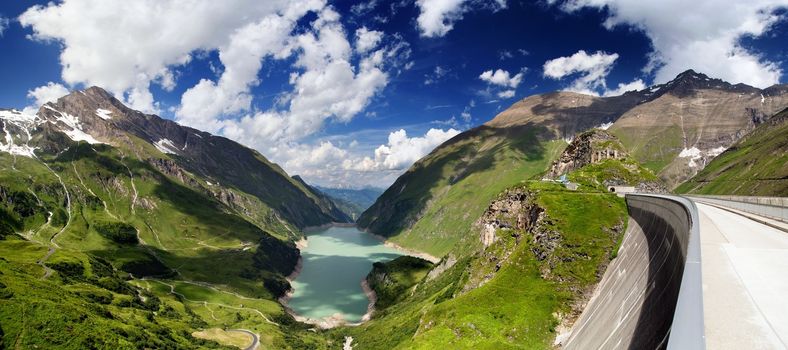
[597, 159]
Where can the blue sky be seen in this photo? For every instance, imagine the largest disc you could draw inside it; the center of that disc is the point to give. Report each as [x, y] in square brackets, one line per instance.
[351, 93]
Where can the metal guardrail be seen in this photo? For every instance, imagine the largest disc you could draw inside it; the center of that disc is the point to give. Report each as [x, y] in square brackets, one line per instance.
[687, 331]
[770, 207]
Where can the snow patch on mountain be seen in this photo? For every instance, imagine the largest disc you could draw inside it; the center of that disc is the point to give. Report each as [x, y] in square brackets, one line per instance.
[74, 130]
[21, 123]
[715, 151]
[694, 154]
[103, 114]
[166, 146]
[605, 126]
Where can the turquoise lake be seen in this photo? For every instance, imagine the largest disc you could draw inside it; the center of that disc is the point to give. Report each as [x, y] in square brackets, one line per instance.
[335, 262]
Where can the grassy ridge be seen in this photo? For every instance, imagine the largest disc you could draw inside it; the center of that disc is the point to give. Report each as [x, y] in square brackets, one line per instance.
[501, 297]
[432, 206]
[116, 208]
[83, 305]
[391, 280]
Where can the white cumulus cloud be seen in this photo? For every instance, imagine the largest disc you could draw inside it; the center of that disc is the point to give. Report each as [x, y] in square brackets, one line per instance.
[635, 85]
[592, 70]
[401, 151]
[43, 94]
[703, 35]
[437, 17]
[329, 87]
[124, 46]
[242, 58]
[502, 78]
[367, 40]
[503, 81]
[506, 94]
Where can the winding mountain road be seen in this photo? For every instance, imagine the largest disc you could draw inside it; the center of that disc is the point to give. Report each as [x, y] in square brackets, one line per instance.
[255, 339]
[745, 282]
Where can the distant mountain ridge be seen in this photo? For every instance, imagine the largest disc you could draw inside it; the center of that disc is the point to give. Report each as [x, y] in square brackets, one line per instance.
[673, 128]
[352, 201]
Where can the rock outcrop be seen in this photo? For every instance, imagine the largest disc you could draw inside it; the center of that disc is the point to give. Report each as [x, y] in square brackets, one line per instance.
[587, 148]
[516, 213]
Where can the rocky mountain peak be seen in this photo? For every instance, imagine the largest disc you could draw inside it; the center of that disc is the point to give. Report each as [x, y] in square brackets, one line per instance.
[689, 82]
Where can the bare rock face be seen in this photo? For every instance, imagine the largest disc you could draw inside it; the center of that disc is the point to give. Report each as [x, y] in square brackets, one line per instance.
[587, 148]
[515, 211]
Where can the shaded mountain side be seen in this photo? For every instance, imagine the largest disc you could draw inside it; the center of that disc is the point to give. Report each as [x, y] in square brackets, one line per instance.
[216, 159]
[757, 165]
[566, 113]
[335, 208]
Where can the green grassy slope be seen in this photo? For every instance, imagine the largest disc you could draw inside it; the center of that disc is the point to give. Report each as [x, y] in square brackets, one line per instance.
[84, 304]
[97, 202]
[757, 165]
[433, 205]
[391, 280]
[551, 247]
[506, 296]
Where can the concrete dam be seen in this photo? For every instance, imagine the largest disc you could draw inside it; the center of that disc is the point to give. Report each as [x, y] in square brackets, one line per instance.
[658, 294]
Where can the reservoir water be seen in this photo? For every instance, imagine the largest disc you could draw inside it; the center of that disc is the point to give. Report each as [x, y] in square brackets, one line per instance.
[335, 262]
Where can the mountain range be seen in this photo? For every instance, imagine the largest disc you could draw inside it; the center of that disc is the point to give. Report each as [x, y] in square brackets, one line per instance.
[137, 231]
[673, 129]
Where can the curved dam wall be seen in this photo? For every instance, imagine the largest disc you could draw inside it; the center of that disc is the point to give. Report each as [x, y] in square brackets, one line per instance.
[650, 296]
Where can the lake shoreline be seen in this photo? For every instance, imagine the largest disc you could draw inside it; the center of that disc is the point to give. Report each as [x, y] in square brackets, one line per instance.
[337, 320]
[407, 251]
